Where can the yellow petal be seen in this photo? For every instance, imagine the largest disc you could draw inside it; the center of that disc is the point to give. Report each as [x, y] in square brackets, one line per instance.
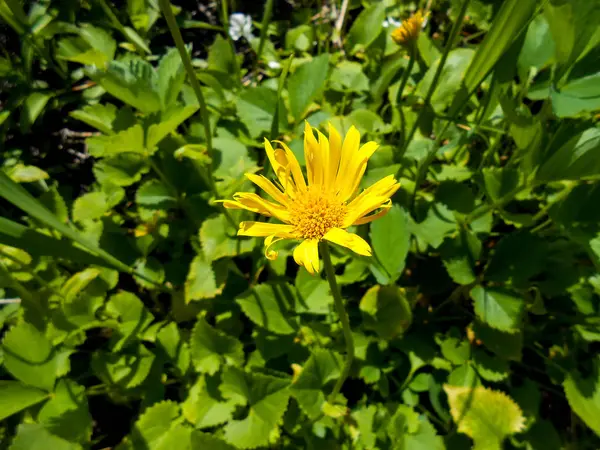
[269, 242]
[350, 240]
[325, 161]
[312, 155]
[263, 229]
[269, 188]
[349, 150]
[294, 167]
[366, 219]
[335, 151]
[280, 164]
[307, 255]
[255, 203]
[368, 203]
[356, 169]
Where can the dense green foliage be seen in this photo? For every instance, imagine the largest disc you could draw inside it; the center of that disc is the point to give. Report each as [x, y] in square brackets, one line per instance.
[132, 317]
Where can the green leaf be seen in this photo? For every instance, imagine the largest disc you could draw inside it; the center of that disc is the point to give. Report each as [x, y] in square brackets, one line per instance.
[205, 406]
[123, 169]
[134, 82]
[459, 255]
[169, 121]
[578, 96]
[133, 318]
[499, 308]
[211, 348]
[490, 367]
[175, 348]
[583, 395]
[386, 311]
[33, 436]
[218, 239]
[508, 24]
[506, 345]
[349, 76]
[29, 356]
[202, 281]
[517, 257]
[203, 440]
[322, 367]
[256, 108]
[485, 415]
[538, 47]
[270, 306]
[171, 76]
[27, 174]
[450, 80]
[305, 83]
[102, 117]
[127, 369]
[438, 224]
[576, 159]
[498, 182]
[158, 428]
[573, 26]
[154, 194]
[266, 398]
[16, 397]
[32, 108]
[390, 237]
[66, 414]
[130, 140]
[315, 295]
[365, 28]
[221, 57]
[92, 205]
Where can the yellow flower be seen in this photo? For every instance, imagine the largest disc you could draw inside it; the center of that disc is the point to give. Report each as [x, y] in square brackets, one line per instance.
[408, 32]
[322, 206]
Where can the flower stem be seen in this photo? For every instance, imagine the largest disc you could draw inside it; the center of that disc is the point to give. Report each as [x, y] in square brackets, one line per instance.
[339, 306]
[165, 7]
[407, 70]
[438, 73]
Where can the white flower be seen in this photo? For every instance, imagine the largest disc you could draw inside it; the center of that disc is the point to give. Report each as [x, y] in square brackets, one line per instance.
[391, 22]
[240, 25]
[274, 65]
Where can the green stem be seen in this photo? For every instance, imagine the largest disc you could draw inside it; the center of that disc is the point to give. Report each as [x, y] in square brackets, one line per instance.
[268, 11]
[438, 73]
[119, 26]
[339, 306]
[165, 7]
[405, 76]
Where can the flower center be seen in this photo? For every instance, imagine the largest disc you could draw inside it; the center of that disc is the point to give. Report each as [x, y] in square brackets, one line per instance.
[315, 213]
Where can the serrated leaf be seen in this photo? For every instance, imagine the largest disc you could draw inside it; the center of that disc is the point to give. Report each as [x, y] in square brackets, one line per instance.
[487, 416]
[203, 440]
[29, 356]
[270, 306]
[128, 369]
[583, 395]
[498, 307]
[132, 315]
[205, 406]
[98, 116]
[505, 345]
[202, 281]
[130, 140]
[211, 348]
[459, 255]
[219, 240]
[33, 436]
[171, 76]
[66, 414]
[92, 205]
[322, 367]
[169, 121]
[17, 396]
[490, 368]
[154, 194]
[315, 295]
[123, 169]
[386, 311]
[390, 237]
[175, 348]
[516, 258]
[267, 399]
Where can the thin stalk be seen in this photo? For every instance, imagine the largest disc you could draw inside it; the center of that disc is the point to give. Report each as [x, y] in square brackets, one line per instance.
[438, 73]
[339, 306]
[405, 76]
[187, 64]
[268, 12]
[118, 25]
